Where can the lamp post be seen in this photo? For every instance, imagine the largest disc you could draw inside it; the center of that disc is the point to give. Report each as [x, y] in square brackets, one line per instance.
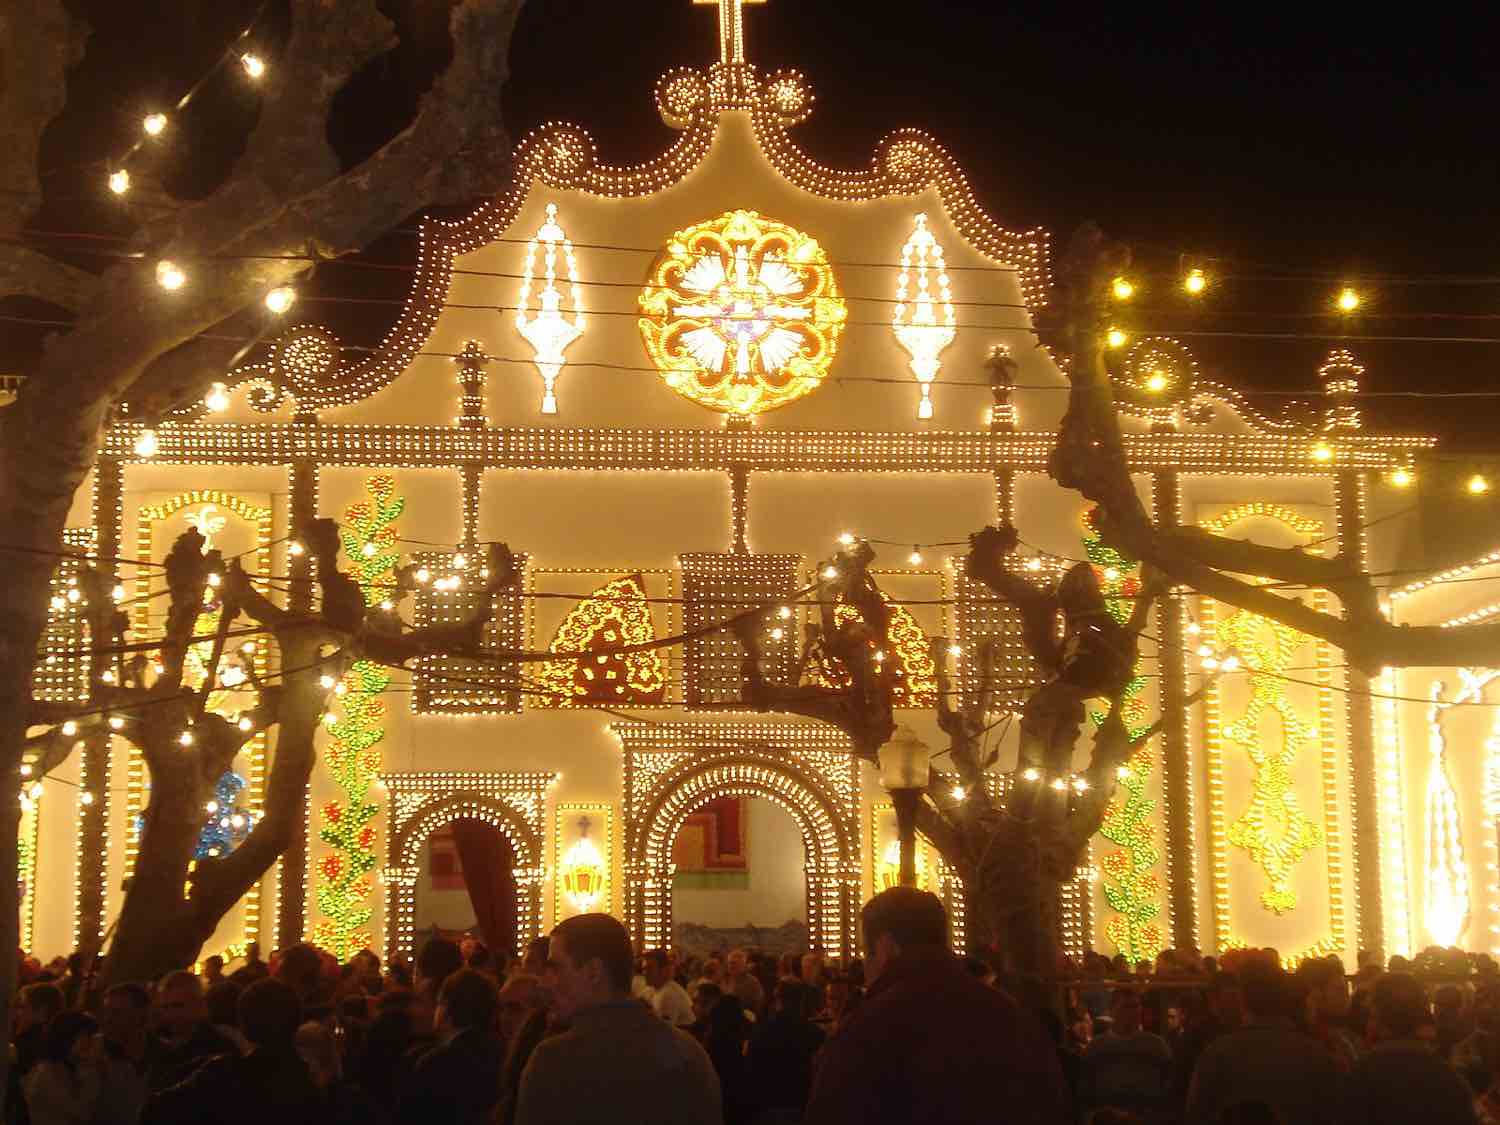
[905, 766]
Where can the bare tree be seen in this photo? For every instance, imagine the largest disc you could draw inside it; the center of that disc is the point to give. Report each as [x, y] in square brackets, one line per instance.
[287, 200]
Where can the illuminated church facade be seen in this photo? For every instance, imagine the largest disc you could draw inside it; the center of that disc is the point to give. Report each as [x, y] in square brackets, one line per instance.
[670, 388]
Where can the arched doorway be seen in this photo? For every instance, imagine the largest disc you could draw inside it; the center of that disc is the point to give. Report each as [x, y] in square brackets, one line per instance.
[739, 877]
[806, 770]
[466, 884]
[481, 807]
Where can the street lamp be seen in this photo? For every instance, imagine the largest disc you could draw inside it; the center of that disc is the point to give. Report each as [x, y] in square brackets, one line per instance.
[905, 765]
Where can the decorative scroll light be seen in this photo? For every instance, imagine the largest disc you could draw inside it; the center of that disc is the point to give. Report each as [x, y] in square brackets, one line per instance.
[924, 324]
[742, 313]
[615, 616]
[547, 327]
[582, 873]
[1446, 866]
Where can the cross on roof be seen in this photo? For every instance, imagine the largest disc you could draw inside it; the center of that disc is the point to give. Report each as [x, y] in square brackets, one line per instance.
[731, 28]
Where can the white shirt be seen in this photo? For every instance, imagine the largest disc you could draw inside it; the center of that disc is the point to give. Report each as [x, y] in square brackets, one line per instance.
[672, 1004]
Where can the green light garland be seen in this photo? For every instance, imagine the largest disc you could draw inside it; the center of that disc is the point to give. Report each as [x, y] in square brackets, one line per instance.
[1131, 886]
[353, 755]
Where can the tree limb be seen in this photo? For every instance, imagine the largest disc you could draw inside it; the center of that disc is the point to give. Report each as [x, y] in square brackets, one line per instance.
[25, 272]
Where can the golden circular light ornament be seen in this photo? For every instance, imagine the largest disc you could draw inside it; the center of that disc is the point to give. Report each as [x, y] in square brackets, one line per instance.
[742, 313]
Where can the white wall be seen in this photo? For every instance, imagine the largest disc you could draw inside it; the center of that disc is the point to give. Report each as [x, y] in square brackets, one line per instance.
[451, 910]
[778, 887]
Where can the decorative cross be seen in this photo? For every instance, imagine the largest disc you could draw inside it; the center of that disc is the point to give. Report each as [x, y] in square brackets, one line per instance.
[731, 28]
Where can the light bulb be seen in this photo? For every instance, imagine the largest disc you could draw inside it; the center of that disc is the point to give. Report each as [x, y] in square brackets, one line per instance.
[1059, 784]
[1347, 301]
[254, 65]
[387, 605]
[1322, 452]
[85, 797]
[214, 580]
[154, 124]
[959, 793]
[327, 682]
[1230, 663]
[1195, 282]
[25, 769]
[281, 298]
[461, 562]
[169, 275]
[1115, 338]
[70, 728]
[368, 550]
[116, 723]
[955, 650]
[1156, 382]
[74, 597]
[185, 738]
[846, 539]
[1122, 288]
[119, 182]
[423, 575]
[1031, 773]
[830, 572]
[1080, 785]
[146, 444]
[777, 633]
[246, 724]
[1478, 484]
[248, 646]
[329, 719]
[1402, 478]
[1122, 772]
[118, 593]
[295, 547]
[784, 612]
[340, 688]
[1111, 574]
[915, 558]
[217, 399]
[107, 676]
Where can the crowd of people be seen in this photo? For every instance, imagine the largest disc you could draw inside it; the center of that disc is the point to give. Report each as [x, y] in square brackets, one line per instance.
[583, 1029]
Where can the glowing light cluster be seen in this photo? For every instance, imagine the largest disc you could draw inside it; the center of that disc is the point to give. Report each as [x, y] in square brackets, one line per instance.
[923, 320]
[547, 327]
[742, 313]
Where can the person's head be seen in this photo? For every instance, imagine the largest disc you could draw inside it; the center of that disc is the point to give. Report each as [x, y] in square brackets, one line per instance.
[1448, 1002]
[1327, 991]
[39, 1003]
[1125, 1011]
[1400, 1006]
[704, 1000]
[269, 1014]
[793, 1000]
[737, 962]
[1265, 988]
[1226, 1000]
[658, 967]
[812, 969]
[538, 953]
[726, 1020]
[519, 997]
[179, 1003]
[319, 1050]
[125, 1013]
[591, 956]
[713, 969]
[980, 969]
[221, 1002]
[299, 969]
[438, 959]
[69, 1039]
[901, 920]
[467, 1002]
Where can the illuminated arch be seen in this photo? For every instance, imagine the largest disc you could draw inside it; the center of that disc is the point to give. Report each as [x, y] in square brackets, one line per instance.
[806, 770]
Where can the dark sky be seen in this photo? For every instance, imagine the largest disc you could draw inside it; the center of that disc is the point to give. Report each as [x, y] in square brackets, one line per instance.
[1295, 144]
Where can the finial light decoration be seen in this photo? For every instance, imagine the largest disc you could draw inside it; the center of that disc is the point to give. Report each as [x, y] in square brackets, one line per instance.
[742, 313]
[582, 871]
[923, 322]
[547, 327]
[731, 28]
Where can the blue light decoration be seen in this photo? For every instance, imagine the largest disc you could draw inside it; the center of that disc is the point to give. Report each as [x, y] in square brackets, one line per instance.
[228, 824]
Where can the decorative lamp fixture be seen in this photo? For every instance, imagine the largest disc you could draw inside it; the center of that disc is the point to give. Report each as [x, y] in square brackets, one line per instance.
[921, 327]
[582, 872]
[546, 327]
[905, 768]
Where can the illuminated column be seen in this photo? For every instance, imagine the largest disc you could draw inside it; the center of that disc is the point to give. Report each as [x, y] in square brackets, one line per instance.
[94, 767]
[1349, 499]
[739, 501]
[1177, 784]
[291, 901]
[1005, 496]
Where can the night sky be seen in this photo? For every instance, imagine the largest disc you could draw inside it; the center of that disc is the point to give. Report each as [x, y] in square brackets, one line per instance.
[1296, 153]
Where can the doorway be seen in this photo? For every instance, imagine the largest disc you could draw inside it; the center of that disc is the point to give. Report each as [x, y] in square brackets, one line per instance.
[466, 884]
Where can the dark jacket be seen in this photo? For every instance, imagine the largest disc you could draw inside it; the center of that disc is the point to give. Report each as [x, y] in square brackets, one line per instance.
[933, 1046]
[1405, 1081]
[268, 1086]
[780, 1063]
[1264, 1062]
[169, 1063]
[454, 1083]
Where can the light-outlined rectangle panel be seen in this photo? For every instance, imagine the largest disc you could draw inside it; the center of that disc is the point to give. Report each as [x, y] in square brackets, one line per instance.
[458, 685]
[716, 588]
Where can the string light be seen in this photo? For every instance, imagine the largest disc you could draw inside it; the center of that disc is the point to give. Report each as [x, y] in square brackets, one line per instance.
[154, 124]
[1116, 338]
[146, 444]
[1478, 484]
[1157, 382]
[185, 738]
[254, 65]
[959, 793]
[217, 399]
[915, 558]
[1322, 451]
[169, 275]
[1402, 477]
[119, 181]
[85, 797]
[1195, 282]
[1122, 288]
[846, 539]
[1347, 301]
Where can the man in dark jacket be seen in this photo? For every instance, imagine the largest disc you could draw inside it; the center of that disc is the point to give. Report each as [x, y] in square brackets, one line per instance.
[782, 1050]
[931, 1044]
[458, 1081]
[271, 1084]
[184, 1037]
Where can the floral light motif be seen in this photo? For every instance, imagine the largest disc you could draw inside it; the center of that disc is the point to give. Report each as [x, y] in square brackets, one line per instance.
[913, 671]
[1273, 829]
[547, 328]
[742, 313]
[924, 324]
[616, 615]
